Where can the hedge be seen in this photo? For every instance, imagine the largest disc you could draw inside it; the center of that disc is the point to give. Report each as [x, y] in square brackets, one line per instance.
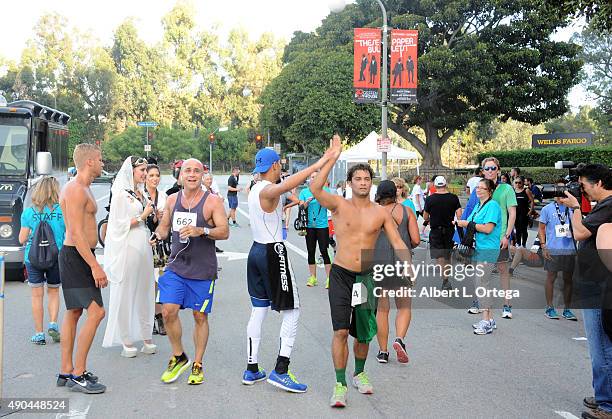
[548, 157]
[540, 175]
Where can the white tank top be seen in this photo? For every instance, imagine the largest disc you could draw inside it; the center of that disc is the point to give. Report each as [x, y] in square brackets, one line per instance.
[267, 227]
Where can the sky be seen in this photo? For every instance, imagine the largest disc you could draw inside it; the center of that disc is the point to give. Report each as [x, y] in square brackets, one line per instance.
[281, 17]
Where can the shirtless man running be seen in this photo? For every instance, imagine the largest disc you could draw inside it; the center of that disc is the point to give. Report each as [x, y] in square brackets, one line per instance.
[357, 221]
[81, 274]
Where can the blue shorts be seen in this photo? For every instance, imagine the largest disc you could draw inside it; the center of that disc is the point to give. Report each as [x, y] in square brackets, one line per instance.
[196, 294]
[37, 278]
[232, 201]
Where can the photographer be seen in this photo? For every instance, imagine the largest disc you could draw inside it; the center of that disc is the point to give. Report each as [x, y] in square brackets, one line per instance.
[596, 185]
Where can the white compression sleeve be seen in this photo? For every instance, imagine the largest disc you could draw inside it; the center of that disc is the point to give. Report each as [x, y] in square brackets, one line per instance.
[288, 331]
[258, 315]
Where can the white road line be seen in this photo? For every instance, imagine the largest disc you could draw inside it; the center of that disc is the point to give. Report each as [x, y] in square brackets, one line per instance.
[104, 197]
[287, 242]
[566, 415]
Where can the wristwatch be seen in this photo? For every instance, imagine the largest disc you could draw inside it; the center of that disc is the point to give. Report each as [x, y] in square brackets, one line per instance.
[206, 232]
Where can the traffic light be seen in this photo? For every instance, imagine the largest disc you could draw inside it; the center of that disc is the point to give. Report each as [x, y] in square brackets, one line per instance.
[211, 138]
[259, 141]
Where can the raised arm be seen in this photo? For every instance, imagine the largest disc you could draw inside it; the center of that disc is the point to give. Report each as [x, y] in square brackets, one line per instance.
[327, 200]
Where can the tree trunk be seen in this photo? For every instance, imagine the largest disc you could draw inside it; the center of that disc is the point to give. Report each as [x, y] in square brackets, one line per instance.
[430, 151]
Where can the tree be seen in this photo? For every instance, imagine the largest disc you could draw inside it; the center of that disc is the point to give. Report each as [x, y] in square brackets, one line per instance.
[478, 60]
[597, 12]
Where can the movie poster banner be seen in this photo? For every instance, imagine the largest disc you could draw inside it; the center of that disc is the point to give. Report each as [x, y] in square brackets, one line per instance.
[366, 67]
[403, 66]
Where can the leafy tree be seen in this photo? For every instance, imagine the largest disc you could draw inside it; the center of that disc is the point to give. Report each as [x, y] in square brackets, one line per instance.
[597, 12]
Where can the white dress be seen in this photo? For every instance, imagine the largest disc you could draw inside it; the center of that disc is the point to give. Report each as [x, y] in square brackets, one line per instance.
[128, 263]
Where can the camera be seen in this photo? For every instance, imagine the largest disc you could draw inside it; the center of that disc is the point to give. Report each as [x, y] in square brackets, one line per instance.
[572, 186]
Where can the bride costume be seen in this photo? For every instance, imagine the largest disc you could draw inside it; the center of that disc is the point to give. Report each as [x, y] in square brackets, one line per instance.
[128, 262]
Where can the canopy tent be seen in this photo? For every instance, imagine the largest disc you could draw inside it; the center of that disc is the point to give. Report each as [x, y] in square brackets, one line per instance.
[366, 150]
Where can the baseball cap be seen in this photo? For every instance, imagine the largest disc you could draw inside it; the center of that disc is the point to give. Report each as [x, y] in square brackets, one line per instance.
[386, 189]
[264, 159]
[440, 181]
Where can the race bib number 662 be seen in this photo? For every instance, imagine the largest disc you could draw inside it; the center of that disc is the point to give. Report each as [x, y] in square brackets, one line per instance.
[183, 219]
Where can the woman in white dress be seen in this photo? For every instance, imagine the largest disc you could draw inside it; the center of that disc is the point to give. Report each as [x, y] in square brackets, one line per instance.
[128, 262]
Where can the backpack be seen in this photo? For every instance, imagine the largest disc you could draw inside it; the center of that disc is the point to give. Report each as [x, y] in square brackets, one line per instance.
[43, 250]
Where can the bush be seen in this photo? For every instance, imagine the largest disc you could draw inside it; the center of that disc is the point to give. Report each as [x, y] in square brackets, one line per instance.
[540, 174]
[548, 157]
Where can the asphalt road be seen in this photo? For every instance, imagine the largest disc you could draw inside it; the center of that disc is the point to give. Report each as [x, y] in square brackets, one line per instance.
[529, 367]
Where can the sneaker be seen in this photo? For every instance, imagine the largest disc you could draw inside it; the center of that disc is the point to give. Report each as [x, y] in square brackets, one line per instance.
[53, 331]
[197, 375]
[148, 348]
[484, 328]
[362, 383]
[312, 281]
[38, 339]
[81, 384]
[382, 357]
[287, 382]
[129, 351]
[597, 414]
[475, 309]
[551, 313]
[63, 379]
[338, 399]
[492, 321]
[327, 283]
[176, 366]
[400, 350]
[507, 312]
[568, 315]
[590, 402]
[249, 377]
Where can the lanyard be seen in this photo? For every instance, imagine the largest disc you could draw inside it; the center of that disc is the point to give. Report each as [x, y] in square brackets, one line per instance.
[481, 207]
[562, 218]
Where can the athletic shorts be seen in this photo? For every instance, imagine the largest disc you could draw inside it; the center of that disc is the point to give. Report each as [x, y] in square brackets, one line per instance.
[37, 278]
[441, 242]
[78, 284]
[560, 263]
[232, 201]
[196, 294]
[360, 320]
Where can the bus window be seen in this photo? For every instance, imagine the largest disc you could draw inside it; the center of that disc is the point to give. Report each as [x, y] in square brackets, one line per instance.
[13, 149]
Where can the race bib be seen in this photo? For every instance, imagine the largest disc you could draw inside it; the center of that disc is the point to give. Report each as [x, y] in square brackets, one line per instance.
[183, 219]
[562, 231]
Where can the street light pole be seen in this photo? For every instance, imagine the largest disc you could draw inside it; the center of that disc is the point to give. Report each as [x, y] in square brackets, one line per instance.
[385, 82]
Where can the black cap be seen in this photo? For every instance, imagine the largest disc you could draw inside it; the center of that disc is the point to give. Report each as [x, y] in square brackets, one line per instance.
[386, 189]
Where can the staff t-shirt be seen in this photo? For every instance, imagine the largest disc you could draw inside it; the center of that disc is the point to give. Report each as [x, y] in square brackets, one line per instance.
[317, 215]
[487, 245]
[504, 195]
[550, 218]
[31, 217]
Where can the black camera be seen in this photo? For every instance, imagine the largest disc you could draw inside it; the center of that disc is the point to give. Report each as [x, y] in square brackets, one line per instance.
[572, 186]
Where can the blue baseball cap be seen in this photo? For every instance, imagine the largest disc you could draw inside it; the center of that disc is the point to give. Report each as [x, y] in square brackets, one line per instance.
[264, 159]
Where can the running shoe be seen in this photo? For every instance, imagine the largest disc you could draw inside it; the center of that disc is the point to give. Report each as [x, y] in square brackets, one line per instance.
[54, 332]
[287, 382]
[590, 402]
[568, 315]
[484, 328]
[197, 375]
[361, 382]
[492, 321]
[63, 379]
[148, 348]
[382, 357]
[39, 339]
[327, 283]
[249, 377]
[507, 312]
[312, 281]
[475, 309]
[598, 413]
[551, 313]
[81, 384]
[338, 399]
[176, 366]
[400, 350]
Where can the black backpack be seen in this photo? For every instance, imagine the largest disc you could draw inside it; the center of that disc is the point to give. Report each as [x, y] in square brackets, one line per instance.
[43, 250]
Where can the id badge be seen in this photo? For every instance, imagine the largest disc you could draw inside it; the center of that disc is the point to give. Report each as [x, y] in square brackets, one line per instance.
[183, 219]
[562, 231]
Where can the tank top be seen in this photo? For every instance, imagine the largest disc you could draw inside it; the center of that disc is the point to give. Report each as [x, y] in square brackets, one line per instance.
[197, 258]
[522, 203]
[384, 250]
[267, 227]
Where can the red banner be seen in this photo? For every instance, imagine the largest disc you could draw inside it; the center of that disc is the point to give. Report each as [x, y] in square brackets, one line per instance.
[403, 65]
[366, 65]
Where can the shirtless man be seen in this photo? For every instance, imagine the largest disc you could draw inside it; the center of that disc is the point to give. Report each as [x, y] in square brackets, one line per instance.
[197, 219]
[81, 274]
[357, 221]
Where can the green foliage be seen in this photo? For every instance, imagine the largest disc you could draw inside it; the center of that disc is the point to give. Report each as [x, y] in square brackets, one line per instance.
[540, 174]
[598, 12]
[548, 157]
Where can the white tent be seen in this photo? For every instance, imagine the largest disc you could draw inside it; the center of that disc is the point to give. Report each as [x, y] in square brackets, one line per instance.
[366, 150]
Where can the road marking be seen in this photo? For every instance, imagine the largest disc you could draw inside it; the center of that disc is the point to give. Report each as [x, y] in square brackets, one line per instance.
[104, 197]
[75, 413]
[233, 255]
[566, 415]
[580, 338]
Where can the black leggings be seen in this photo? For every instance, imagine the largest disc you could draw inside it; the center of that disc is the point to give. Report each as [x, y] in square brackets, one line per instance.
[314, 235]
[520, 225]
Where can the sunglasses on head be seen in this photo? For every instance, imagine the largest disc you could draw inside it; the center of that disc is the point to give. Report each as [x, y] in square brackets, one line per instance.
[489, 168]
[140, 161]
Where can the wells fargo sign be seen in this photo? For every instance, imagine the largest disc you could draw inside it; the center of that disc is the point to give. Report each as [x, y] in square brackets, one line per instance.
[561, 140]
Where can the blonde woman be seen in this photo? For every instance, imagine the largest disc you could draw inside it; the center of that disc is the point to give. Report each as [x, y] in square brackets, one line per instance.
[402, 193]
[45, 206]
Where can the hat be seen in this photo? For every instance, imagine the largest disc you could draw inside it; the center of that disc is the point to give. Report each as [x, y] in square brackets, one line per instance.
[440, 181]
[386, 189]
[264, 159]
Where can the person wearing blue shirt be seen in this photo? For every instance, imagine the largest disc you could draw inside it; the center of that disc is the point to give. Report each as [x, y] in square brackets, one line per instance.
[559, 252]
[45, 200]
[317, 231]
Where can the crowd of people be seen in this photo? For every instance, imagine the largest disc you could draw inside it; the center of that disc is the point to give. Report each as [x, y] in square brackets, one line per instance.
[150, 285]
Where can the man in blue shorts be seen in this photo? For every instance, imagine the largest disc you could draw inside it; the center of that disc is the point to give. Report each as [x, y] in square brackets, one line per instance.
[232, 194]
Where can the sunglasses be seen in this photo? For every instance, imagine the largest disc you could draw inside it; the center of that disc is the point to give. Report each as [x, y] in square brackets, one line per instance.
[140, 161]
[489, 168]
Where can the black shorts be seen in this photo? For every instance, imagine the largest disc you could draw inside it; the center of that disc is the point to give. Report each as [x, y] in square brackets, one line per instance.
[78, 284]
[361, 320]
[560, 263]
[441, 242]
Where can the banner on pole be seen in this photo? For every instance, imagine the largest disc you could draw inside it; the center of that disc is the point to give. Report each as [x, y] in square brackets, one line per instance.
[366, 65]
[403, 65]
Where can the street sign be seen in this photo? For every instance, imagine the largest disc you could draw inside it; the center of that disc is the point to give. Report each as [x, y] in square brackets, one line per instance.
[147, 124]
[277, 148]
[147, 147]
[383, 145]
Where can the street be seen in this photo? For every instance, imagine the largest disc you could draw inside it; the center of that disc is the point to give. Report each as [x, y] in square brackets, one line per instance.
[530, 366]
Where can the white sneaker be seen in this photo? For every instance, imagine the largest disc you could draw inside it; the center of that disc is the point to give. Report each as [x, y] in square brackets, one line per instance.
[129, 351]
[148, 348]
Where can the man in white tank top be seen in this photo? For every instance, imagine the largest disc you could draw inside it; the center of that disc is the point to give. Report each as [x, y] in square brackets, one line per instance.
[270, 279]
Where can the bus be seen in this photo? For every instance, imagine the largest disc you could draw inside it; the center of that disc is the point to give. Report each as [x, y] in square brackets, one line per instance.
[33, 144]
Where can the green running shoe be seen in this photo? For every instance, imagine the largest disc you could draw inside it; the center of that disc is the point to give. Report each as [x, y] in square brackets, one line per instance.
[362, 383]
[339, 397]
[312, 281]
[197, 375]
[176, 367]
